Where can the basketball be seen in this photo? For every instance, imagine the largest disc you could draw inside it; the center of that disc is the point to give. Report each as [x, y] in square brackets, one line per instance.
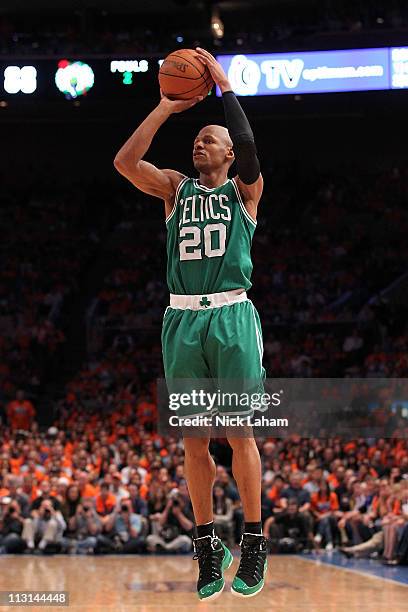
[182, 76]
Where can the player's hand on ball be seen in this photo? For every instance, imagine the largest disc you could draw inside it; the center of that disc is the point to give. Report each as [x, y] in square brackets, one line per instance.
[178, 106]
[215, 68]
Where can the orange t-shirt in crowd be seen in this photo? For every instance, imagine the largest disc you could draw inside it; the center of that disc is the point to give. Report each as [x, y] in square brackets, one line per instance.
[350, 446]
[105, 506]
[15, 464]
[69, 449]
[20, 414]
[89, 491]
[273, 493]
[332, 480]
[146, 412]
[143, 491]
[35, 492]
[38, 475]
[396, 505]
[324, 504]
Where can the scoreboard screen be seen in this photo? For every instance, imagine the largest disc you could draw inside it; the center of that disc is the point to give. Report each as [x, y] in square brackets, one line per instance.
[269, 74]
[265, 74]
[74, 79]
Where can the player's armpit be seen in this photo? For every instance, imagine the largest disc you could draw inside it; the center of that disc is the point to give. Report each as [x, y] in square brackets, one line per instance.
[151, 180]
[251, 194]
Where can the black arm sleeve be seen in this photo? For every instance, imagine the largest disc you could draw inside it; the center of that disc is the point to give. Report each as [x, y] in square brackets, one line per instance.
[242, 139]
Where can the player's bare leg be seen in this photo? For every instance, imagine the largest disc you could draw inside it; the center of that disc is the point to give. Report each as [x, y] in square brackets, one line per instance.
[199, 468]
[213, 557]
[246, 468]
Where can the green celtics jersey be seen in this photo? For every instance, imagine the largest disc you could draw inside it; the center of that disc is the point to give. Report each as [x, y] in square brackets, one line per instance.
[209, 236]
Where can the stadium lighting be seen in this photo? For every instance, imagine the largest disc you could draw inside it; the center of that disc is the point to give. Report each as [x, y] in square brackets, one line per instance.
[217, 25]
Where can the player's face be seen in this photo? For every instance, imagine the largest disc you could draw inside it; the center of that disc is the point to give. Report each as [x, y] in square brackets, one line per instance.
[210, 150]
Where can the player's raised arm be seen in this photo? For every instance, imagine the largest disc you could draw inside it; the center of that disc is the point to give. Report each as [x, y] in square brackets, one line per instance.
[129, 159]
[250, 180]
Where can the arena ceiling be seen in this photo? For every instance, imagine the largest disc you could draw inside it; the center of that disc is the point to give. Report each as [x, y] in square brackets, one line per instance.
[139, 6]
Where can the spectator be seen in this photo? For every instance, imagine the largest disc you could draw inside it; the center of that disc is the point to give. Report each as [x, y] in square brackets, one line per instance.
[156, 501]
[118, 490]
[302, 497]
[139, 505]
[11, 526]
[287, 532]
[105, 503]
[69, 507]
[20, 497]
[28, 487]
[123, 531]
[352, 521]
[296, 491]
[271, 497]
[45, 494]
[85, 526]
[340, 486]
[173, 527]
[33, 466]
[324, 505]
[20, 412]
[367, 527]
[275, 493]
[45, 529]
[61, 487]
[314, 481]
[394, 521]
[87, 490]
[133, 465]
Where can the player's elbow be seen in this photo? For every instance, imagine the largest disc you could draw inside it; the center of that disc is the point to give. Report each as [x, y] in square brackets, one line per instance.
[119, 163]
[126, 167]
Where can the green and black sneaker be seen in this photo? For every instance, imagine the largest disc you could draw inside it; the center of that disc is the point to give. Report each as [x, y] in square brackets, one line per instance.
[250, 577]
[213, 558]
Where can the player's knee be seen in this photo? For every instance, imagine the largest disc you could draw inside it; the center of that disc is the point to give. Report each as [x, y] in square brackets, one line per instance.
[196, 447]
[241, 444]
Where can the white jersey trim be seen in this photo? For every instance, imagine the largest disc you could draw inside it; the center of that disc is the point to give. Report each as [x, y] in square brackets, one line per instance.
[180, 185]
[198, 185]
[241, 203]
[207, 301]
[258, 337]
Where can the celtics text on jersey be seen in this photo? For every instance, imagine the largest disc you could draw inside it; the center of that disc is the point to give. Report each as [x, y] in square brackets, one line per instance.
[209, 236]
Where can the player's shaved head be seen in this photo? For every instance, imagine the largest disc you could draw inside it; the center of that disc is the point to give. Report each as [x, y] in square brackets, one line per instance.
[219, 131]
[212, 149]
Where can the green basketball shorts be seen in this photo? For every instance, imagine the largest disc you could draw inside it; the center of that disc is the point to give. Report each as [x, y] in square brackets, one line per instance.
[216, 338]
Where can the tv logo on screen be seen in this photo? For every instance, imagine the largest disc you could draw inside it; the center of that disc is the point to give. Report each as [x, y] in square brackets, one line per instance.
[245, 74]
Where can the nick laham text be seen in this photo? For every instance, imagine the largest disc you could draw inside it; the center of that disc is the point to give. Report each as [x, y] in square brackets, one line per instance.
[223, 420]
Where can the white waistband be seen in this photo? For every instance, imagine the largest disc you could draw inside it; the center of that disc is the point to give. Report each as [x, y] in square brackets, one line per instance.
[209, 300]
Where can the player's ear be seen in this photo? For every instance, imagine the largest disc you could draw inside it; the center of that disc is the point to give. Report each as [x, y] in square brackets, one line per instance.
[230, 154]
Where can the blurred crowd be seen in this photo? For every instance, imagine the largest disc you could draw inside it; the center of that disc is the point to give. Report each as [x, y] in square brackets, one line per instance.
[42, 253]
[101, 483]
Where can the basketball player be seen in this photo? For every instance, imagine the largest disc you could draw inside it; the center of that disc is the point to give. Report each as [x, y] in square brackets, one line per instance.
[211, 330]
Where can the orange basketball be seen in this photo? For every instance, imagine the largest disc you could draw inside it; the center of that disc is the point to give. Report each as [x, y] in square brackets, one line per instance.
[182, 76]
